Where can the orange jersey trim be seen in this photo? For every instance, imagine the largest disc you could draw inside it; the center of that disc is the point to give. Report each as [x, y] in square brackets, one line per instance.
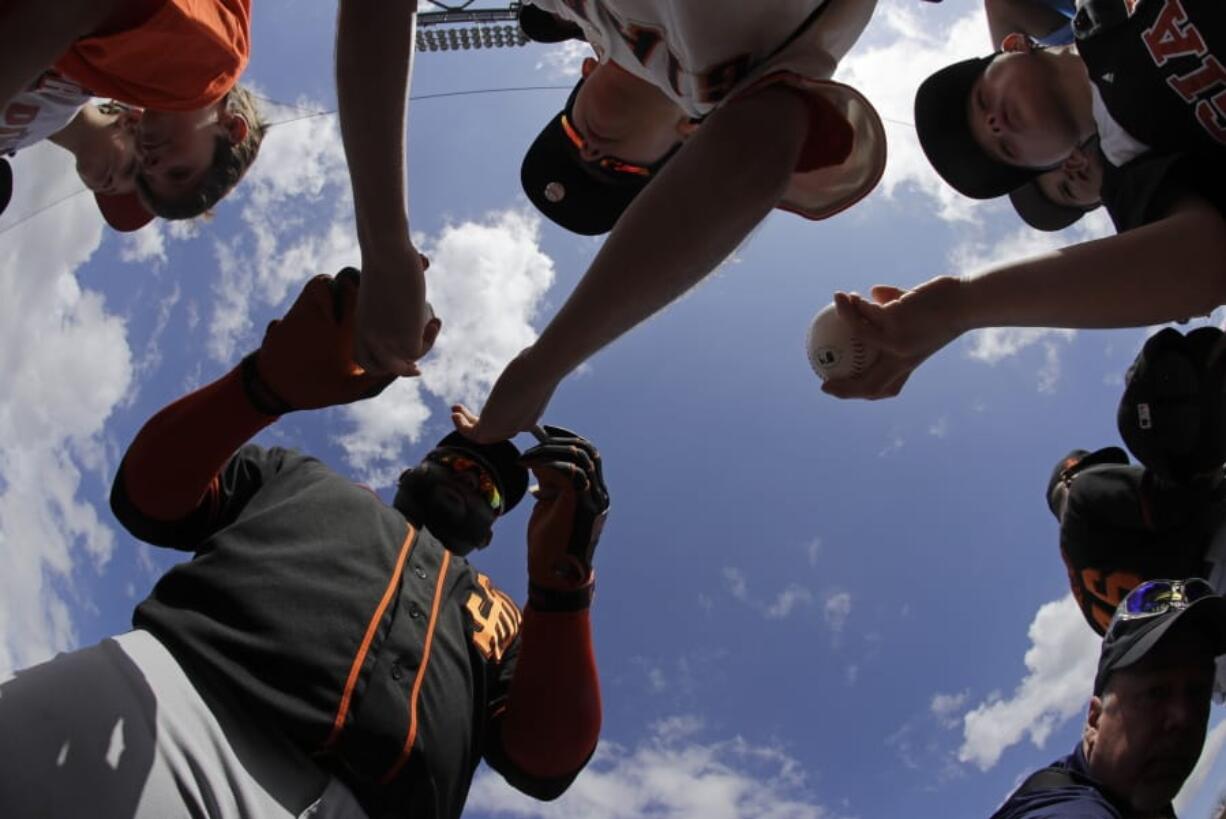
[421, 673]
[342, 711]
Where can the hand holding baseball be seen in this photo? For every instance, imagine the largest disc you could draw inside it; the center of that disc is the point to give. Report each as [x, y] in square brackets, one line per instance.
[906, 326]
[836, 348]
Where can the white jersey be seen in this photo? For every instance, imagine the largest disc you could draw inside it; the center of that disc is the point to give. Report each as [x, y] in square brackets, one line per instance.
[46, 106]
[702, 53]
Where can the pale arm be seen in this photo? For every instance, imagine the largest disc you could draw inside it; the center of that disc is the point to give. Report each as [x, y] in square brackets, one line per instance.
[374, 47]
[704, 203]
[1169, 270]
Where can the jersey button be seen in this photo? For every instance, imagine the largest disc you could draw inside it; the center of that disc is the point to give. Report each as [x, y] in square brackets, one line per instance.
[420, 572]
[414, 611]
[397, 671]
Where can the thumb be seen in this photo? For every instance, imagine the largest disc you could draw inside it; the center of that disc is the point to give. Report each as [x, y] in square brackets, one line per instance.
[885, 293]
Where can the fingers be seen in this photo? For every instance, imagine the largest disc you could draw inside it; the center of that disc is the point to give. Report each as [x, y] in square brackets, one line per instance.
[345, 294]
[464, 419]
[885, 293]
[885, 379]
[868, 318]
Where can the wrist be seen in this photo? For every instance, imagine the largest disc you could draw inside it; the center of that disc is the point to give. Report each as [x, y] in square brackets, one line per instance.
[259, 394]
[964, 312]
[548, 599]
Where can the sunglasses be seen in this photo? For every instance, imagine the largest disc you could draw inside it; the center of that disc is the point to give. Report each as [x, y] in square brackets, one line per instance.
[606, 162]
[1156, 597]
[460, 464]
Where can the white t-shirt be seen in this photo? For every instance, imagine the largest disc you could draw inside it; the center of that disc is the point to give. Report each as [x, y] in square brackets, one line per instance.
[46, 106]
[703, 53]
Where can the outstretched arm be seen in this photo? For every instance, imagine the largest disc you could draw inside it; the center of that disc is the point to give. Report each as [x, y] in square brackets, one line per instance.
[374, 50]
[1169, 270]
[169, 475]
[704, 203]
[552, 719]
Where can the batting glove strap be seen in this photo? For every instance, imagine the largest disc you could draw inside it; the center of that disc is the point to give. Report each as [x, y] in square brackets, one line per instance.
[542, 598]
[259, 393]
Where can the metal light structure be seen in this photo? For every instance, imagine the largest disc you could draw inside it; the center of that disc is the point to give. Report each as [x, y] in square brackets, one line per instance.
[460, 28]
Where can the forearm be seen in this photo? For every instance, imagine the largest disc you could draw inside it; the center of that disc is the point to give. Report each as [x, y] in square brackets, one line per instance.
[1169, 270]
[170, 465]
[33, 34]
[704, 203]
[1026, 16]
[374, 46]
[552, 721]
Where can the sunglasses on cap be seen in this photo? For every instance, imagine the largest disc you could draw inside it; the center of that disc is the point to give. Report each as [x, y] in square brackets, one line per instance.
[1157, 597]
[608, 163]
[460, 464]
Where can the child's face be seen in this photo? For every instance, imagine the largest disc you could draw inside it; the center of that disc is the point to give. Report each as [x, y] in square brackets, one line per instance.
[622, 116]
[1075, 184]
[1016, 114]
[176, 148]
[110, 166]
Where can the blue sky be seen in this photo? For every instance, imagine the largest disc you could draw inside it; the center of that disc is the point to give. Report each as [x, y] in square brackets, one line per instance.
[806, 608]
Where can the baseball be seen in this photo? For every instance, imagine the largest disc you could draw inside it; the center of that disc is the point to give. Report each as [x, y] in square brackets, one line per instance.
[835, 351]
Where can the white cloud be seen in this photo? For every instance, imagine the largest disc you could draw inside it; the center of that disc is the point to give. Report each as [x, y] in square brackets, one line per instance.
[783, 604]
[670, 774]
[1060, 666]
[946, 706]
[940, 427]
[487, 281]
[813, 549]
[837, 609]
[145, 245]
[563, 61]
[58, 394]
[910, 39]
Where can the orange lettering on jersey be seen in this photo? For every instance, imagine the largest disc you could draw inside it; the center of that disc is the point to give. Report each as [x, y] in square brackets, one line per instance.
[495, 618]
[1170, 37]
[1209, 114]
[1209, 76]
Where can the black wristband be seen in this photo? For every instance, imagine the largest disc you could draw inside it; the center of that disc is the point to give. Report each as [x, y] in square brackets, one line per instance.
[258, 393]
[542, 598]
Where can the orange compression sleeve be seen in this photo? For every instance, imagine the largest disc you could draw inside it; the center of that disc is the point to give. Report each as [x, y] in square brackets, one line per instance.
[169, 469]
[553, 712]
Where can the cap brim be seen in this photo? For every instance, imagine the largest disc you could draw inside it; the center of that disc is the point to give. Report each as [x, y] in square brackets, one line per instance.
[123, 212]
[1040, 212]
[540, 26]
[6, 184]
[945, 135]
[574, 194]
[1207, 614]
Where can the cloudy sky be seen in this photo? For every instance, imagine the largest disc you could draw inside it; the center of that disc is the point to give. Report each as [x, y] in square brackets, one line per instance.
[807, 608]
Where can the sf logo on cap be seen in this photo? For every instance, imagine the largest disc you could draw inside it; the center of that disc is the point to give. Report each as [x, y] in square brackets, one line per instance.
[555, 192]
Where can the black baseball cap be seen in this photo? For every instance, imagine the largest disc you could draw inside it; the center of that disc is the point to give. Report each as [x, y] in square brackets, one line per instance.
[1128, 641]
[500, 459]
[1078, 461]
[945, 134]
[540, 26]
[1172, 413]
[1042, 213]
[581, 196]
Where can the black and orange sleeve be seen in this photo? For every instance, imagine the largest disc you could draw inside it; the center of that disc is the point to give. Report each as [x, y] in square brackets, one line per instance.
[551, 722]
[171, 489]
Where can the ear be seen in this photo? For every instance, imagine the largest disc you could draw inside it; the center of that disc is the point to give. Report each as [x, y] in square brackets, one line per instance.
[589, 65]
[236, 127]
[1017, 43]
[429, 333]
[1089, 732]
[1076, 161]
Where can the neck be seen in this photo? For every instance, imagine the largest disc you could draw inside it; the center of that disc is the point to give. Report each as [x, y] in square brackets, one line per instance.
[1075, 89]
[83, 131]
